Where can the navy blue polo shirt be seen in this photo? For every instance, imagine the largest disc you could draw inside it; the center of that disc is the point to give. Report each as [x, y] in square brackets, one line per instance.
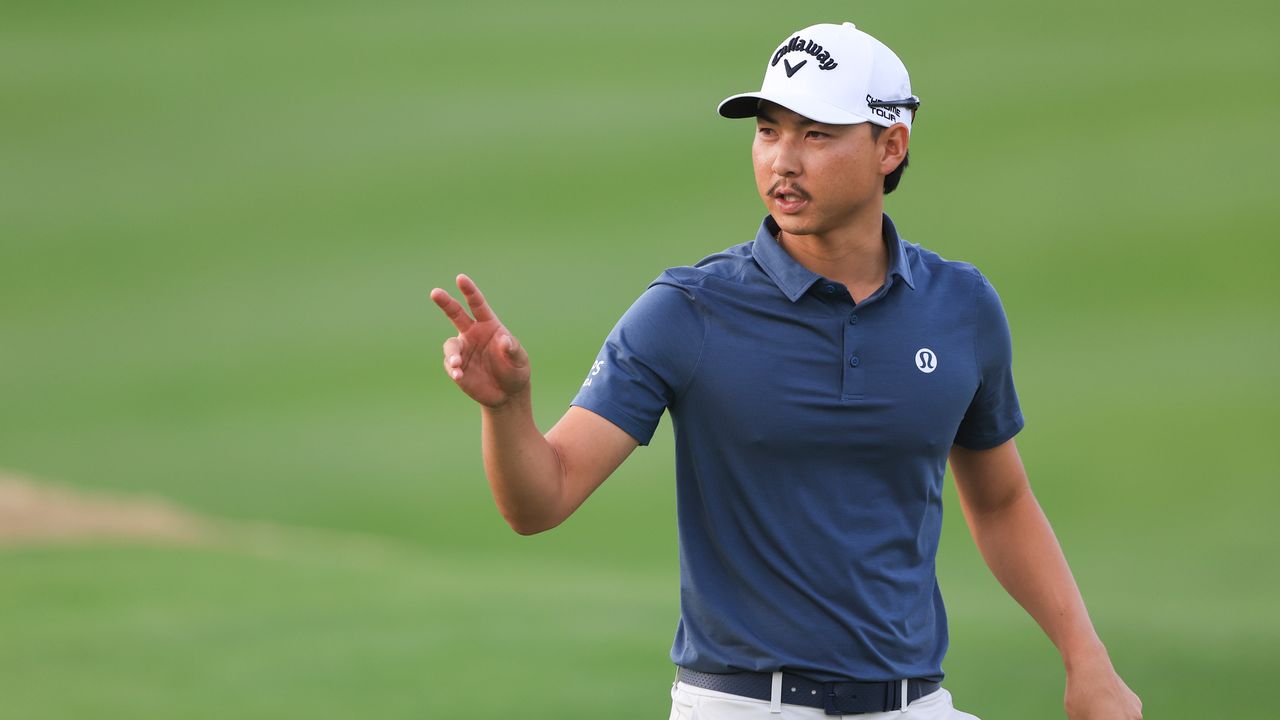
[811, 439]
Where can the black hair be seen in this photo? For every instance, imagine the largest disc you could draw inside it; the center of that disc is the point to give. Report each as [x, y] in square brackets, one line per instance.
[892, 179]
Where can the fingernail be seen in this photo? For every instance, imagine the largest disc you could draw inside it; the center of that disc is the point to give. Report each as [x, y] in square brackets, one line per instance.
[454, 359]
[456, 374]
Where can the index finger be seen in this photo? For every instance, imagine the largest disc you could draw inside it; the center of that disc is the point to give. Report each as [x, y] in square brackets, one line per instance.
[452, 308]
[475, 299]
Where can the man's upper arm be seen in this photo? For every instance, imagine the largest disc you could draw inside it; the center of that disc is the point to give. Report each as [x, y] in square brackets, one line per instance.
[988, 479]
[645, 362]
[590, 448]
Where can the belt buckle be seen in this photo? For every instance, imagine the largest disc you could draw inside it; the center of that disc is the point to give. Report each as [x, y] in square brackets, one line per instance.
[850, 698]
[837, 698]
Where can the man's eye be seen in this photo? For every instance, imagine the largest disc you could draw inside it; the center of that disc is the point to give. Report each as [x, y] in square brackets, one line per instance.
[767, 132]
[816, 134]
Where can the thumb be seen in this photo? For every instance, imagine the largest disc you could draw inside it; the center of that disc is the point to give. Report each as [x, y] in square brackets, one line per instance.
[514, 351]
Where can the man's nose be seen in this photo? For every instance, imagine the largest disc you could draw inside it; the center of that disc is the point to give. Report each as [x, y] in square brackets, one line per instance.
[786, 160]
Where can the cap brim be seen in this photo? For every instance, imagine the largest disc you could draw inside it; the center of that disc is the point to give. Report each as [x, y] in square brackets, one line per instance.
[746, 104]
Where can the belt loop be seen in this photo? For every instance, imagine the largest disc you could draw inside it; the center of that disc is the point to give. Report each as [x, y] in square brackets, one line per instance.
[903, 707]
[775, 694]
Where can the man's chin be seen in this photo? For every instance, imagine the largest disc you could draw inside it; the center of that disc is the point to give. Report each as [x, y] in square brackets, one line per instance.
[793, 225]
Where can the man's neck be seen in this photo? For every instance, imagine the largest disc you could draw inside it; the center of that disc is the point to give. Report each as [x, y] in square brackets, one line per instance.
[854, 254]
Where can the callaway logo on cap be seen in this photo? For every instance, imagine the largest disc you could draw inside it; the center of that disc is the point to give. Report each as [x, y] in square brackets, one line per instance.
[833, 74]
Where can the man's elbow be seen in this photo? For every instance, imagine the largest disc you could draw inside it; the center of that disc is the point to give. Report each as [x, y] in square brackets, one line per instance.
[526, 526]
[526, 530]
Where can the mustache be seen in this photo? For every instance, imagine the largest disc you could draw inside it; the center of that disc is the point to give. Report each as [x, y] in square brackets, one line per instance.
[791, 189]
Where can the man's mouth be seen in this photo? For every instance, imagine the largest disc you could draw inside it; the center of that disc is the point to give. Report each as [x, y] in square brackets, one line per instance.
[789, 199]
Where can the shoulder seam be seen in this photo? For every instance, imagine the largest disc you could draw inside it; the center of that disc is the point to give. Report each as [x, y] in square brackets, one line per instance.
[702, 346]
[935, 260]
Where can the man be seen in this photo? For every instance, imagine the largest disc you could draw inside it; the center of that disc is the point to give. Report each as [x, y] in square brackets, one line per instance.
[819, 378]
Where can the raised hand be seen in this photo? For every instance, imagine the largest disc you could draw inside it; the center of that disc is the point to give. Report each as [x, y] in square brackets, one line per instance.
[484, 358]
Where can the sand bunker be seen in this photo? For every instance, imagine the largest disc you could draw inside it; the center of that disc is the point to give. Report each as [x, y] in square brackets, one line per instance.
[32, 512]
[39, 513]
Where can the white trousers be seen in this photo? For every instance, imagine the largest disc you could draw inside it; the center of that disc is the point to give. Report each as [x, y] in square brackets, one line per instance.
[695, 703]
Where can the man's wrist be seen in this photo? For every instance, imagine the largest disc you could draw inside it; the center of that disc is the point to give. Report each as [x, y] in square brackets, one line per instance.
[1085, 653]
[519, 403]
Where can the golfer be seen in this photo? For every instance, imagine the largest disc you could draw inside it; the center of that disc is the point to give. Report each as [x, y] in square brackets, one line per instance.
[819, 379]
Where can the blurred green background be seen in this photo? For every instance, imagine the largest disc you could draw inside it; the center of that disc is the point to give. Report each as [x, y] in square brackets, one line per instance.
[219, 224]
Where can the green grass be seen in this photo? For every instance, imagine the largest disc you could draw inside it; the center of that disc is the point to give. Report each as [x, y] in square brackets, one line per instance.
[139, 632]
[219, 225]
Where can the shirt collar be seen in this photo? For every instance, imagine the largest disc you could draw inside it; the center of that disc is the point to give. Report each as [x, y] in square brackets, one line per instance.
[795, 279]
[898, 264]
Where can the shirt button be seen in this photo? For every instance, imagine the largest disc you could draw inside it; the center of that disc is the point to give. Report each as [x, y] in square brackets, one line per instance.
[853, 319]
[853, 361]
[829, 289]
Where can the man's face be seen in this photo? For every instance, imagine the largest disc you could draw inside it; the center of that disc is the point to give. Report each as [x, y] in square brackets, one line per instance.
[814, 178]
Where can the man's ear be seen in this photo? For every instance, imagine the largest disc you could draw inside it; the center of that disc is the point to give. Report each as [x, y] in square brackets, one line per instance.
[892, 146]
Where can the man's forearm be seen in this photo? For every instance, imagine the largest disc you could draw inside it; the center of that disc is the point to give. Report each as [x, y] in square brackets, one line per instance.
[524, 470]
[1019, 546]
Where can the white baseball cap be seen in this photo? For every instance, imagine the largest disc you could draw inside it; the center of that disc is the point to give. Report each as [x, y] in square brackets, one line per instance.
[834, 74]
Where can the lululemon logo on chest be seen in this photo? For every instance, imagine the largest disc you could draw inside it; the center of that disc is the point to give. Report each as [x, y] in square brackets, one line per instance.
[926, 360]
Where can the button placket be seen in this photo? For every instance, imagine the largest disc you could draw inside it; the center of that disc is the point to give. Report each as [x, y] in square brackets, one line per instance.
[854, 385]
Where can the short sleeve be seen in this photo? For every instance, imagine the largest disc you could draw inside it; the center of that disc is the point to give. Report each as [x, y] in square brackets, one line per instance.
[646, 361]
[993, 416]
